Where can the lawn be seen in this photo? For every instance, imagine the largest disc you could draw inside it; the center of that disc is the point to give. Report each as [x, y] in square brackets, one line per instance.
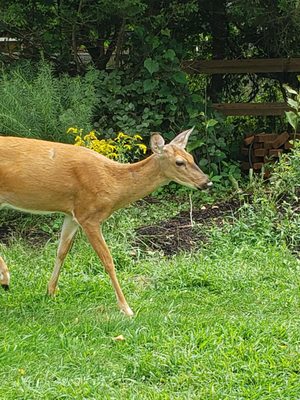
[217, 322]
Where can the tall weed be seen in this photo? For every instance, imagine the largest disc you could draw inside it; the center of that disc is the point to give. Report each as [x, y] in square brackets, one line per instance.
[35, 103]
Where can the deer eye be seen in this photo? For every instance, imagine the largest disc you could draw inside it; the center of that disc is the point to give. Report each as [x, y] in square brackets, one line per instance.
[180, 163]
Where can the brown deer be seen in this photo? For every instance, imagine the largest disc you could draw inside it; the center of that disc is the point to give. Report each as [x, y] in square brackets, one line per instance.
[39, 176]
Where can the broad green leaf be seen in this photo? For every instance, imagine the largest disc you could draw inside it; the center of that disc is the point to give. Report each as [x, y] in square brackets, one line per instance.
[289, 89]
[203, 162]
[151, 65]
[292, 119]
[170, 54]
[293, 104]
[211, 122]
[179, 77]
[149, 84]
[195, 145]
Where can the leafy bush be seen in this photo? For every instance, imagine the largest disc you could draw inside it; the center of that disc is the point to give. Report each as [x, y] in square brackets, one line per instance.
[272, 214]
[35, 103]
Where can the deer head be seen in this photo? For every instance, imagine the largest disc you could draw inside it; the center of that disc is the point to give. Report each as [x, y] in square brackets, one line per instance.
[177, 164]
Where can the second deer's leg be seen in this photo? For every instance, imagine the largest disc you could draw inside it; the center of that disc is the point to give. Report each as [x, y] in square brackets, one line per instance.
[66, 238]
[96, 239]
[4, 274]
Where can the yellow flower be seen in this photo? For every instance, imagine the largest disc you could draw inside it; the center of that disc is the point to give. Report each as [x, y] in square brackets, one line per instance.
[79, 141]
[92, 135]
[128, 146]
[138, 137]
[72, 130]
[121, 135]
[143, 148]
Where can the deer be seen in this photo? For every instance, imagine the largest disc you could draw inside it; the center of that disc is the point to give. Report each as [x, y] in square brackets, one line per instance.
[40, 176]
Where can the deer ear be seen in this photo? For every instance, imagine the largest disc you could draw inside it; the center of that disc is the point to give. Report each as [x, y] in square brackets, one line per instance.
[182, 139]
[157, 143]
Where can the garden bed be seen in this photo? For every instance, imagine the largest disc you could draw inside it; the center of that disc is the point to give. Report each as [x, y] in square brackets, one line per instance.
[186, 230]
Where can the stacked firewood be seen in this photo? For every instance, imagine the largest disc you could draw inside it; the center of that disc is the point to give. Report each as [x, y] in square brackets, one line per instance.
[262, 148]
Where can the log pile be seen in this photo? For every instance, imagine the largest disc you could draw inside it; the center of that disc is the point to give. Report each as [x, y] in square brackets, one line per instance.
[262, 148]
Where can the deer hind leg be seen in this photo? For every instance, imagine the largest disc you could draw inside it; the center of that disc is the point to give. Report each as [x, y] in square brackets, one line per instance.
[66, 239]
[4, 275]
[96, 239]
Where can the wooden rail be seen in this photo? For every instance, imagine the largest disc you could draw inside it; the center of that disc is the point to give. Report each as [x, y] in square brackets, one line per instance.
[251, 108]
[253, 65]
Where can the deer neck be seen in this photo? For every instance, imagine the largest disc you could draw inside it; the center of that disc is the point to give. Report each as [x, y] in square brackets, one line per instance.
[137, 180]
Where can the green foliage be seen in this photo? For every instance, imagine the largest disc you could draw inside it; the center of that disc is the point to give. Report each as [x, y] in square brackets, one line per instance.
[212, 143]
[285, 177]
[293, 100]
[150, 96]
[35, 103]
[272, 215]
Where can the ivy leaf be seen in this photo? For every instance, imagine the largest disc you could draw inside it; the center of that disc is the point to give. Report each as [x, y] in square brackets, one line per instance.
[151, 65]
[149, 84]
[180, 77]
[203, 162]
[211, 123]
[170, 54]
[292, 119]
[195, 145]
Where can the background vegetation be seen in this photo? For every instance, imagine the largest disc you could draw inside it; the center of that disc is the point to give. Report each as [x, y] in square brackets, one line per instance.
[117, 67]
[218, 322]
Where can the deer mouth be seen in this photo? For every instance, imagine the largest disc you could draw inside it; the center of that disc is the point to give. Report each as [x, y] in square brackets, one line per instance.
[204, 186]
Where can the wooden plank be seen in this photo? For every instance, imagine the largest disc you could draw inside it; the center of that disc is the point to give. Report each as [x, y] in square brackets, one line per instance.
[281, 139]
[260, 152]
[265, 137]
[251, 108]
[248, 140]
[250, 65]
[258, 165]
[258, 145]
[275, 152]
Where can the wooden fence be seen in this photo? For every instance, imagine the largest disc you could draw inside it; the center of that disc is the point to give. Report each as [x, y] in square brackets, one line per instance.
[241, 67]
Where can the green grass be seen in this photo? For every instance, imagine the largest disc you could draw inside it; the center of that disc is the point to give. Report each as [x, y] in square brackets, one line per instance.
[218, 323]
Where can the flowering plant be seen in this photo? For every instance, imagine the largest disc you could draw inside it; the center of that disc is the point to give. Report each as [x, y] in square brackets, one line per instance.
[122, 148]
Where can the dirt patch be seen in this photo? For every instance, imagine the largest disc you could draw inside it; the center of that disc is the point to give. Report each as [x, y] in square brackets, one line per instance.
[32, 235]
[178, 234]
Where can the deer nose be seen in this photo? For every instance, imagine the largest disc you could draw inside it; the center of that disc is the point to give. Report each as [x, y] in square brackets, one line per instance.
[208, 184]
[205, 185]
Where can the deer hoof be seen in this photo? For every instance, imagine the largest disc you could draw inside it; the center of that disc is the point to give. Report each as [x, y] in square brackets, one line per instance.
[127, 311]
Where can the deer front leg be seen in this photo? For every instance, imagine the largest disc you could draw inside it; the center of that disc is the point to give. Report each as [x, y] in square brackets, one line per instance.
[4, 275]
[66, 238]
[96, 239]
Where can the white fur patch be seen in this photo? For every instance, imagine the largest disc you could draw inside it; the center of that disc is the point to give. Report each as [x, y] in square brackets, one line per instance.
[52, 154]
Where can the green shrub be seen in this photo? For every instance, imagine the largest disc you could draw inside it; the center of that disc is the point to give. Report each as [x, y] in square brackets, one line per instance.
[271, 215]
[35, 103]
